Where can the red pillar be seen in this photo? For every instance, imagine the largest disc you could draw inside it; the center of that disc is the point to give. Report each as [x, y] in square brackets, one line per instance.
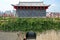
[20, 7]
[40, 8]
[36, 7]
[26, 7]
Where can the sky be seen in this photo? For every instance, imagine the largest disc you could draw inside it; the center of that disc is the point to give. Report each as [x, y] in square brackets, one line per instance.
[54, 4]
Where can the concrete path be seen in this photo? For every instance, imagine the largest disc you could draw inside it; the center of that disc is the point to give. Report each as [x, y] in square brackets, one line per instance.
[49, 35]
[8, 36]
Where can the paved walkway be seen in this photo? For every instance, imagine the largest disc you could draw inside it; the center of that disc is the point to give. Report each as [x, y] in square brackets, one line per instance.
[8, 36]
[49, 35]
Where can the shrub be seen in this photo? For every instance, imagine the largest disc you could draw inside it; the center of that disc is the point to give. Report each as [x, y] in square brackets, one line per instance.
[29, 24]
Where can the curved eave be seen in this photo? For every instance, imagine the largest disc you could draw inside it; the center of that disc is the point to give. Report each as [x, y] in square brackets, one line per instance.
[12, 5]
[40, 5]
[30, 5]
[16, 6]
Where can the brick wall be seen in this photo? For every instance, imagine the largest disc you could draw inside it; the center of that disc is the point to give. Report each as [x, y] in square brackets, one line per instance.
[30, 13]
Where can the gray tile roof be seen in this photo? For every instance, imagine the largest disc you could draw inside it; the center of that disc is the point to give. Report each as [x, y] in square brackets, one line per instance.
[30, 4]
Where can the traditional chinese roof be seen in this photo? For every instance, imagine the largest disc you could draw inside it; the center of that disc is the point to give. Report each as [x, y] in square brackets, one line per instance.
[30, 4]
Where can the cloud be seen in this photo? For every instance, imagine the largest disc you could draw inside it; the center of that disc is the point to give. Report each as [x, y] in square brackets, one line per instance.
[6, 4]
[53, 5]
[52, 8]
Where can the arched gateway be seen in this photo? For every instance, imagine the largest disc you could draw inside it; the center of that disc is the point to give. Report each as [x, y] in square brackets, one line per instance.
[31, 9]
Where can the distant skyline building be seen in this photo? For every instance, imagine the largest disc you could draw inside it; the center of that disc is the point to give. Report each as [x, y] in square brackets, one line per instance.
[31, 9]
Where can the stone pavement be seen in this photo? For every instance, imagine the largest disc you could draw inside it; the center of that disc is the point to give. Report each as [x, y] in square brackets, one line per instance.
[49, 35]
[8, 36]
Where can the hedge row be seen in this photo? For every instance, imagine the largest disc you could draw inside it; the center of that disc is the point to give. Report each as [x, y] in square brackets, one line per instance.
[29, 24]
